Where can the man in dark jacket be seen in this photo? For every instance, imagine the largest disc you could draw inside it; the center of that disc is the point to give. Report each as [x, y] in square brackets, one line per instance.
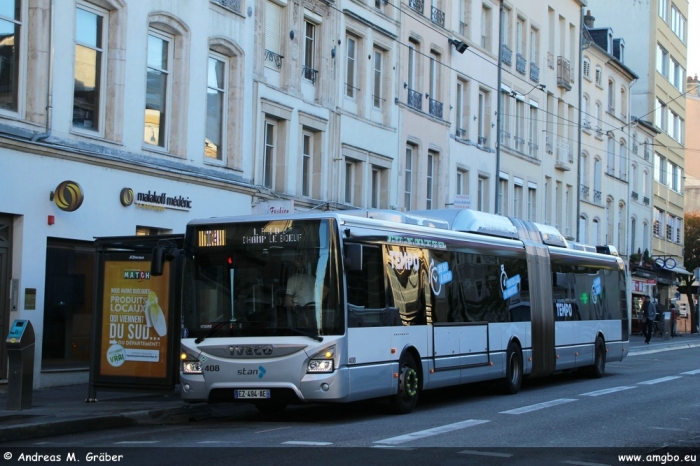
[649, 314]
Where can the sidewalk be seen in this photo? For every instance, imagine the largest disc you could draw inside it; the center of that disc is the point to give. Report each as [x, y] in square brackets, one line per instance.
[63, 410]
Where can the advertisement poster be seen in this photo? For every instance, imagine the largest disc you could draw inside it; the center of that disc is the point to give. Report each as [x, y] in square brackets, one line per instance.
[134, 330]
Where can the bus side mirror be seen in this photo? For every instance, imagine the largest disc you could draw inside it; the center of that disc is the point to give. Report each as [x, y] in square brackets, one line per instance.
[353, 257]
[157, 261]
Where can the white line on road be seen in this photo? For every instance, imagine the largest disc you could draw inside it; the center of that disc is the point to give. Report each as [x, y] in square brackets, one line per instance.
[299, 442]
[136, 442]
[430, 432]
[662, 379]
[696, 371]
[667, 428]
[546, 404]
[485, 453]
[270, 430]
[606, 391]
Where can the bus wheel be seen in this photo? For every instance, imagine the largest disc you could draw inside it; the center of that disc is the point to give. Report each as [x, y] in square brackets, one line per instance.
[597, 370]
[405, 399]
[270, 407]
[514, 369]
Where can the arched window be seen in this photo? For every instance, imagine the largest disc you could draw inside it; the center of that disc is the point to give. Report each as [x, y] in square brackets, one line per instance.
[582, 233]
[611, 97]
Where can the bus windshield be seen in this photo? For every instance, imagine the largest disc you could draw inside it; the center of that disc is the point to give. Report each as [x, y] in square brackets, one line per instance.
[274, 278]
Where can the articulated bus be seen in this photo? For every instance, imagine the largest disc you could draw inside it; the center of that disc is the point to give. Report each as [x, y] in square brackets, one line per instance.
[396, 303]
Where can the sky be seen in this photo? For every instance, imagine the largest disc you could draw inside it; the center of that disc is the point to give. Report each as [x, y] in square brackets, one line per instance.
[693, 38]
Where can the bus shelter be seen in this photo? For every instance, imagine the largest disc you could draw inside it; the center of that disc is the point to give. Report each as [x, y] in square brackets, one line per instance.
[135, 324]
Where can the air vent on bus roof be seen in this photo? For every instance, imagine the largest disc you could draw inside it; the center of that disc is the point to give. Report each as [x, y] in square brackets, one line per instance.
[474, 221]
[400, 217]
[551, 236]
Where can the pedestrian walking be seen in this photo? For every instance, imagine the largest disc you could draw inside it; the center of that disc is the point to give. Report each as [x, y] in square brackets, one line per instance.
[649, 315]
[674, 318]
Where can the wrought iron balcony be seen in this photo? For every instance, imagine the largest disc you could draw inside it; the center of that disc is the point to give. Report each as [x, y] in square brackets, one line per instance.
[234, 5]
[532, 148]
[463, 28]
[416, 5]
[506, 55]
[534, 72]
[309, 73]
[435, 108]
[481, 141]
[563, 73]
[437, 16]
[520, 63]
[646, 200]
[519, 144]
[635, 196]
[274, 58]
[597, 197]
[415, 99]
[585, 192]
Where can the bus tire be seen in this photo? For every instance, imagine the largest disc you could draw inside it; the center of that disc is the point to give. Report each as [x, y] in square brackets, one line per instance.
[406, 397]
[597, 370]
[514, 369]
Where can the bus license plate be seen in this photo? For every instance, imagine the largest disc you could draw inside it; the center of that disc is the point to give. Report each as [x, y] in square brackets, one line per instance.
[252, 394]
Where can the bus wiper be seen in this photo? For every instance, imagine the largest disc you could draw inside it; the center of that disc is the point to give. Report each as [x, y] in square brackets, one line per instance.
[313, 336]
[216, 326]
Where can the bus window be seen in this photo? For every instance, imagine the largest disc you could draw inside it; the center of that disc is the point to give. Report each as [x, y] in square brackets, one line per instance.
[407, 269]
[367, 293]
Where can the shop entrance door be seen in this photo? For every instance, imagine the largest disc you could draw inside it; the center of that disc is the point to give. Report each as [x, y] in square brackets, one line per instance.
[5, 264]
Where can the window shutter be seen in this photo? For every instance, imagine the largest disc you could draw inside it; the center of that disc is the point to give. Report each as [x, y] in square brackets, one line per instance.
[273, 14]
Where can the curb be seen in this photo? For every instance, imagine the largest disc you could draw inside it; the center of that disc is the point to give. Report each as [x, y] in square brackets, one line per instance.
[62, 426]
[658, 349]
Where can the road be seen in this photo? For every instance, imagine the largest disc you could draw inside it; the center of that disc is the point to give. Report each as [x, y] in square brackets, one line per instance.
[645, 404]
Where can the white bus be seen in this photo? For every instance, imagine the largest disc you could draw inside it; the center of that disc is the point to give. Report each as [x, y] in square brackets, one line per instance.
[396, 303]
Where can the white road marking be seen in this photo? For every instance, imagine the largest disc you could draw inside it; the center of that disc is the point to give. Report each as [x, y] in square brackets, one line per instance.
[662, 379]
[696, 371]
[546, 404]
[430, 432]
[606, 391]
[299, 442]
[270, 430]
[667, 428]
[485, 453]
[136, 442]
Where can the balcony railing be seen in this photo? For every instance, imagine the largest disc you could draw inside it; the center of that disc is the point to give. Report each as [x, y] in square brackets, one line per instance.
[506, 55]
[548, 146]
[585, 192]
[519, 144]
[635, 196]
[435, 108]
[415, 99]
[532, 148]
[234, 5]
[463, 28]
[416, 5]
[563, 73]
[437, 16]
[520, 64]
[597, 197]
[646, 200]
[534, 72]
[309, 73]
[481, 141]
[274, 58]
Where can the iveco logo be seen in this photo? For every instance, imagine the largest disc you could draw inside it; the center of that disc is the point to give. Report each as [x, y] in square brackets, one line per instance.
[250, 350]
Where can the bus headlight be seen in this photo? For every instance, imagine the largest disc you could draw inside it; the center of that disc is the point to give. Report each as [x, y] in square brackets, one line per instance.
[189, 363]
[322, 362]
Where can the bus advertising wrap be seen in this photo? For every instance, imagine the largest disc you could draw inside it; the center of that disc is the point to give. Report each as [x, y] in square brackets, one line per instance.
[134, 327]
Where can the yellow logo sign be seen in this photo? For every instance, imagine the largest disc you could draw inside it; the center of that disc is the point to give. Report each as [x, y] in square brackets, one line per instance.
[126, 197]
[68, 196]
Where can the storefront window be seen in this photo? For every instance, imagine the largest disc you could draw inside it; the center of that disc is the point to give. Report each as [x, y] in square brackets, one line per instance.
[66, 337]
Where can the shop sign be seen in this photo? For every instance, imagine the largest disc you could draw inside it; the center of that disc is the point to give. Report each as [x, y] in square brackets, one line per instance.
[462, 201]
[68, 196]
[154, 200]
[639, 286]
[134, 321]
[274, 207]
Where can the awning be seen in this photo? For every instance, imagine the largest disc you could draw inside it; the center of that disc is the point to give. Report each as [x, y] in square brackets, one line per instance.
[679, 269]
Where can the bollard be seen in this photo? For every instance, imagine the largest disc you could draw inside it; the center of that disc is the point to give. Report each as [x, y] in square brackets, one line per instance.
[667, 325]
[20, 354]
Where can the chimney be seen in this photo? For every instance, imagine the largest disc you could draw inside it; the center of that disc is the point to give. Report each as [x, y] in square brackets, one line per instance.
[589, 20]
